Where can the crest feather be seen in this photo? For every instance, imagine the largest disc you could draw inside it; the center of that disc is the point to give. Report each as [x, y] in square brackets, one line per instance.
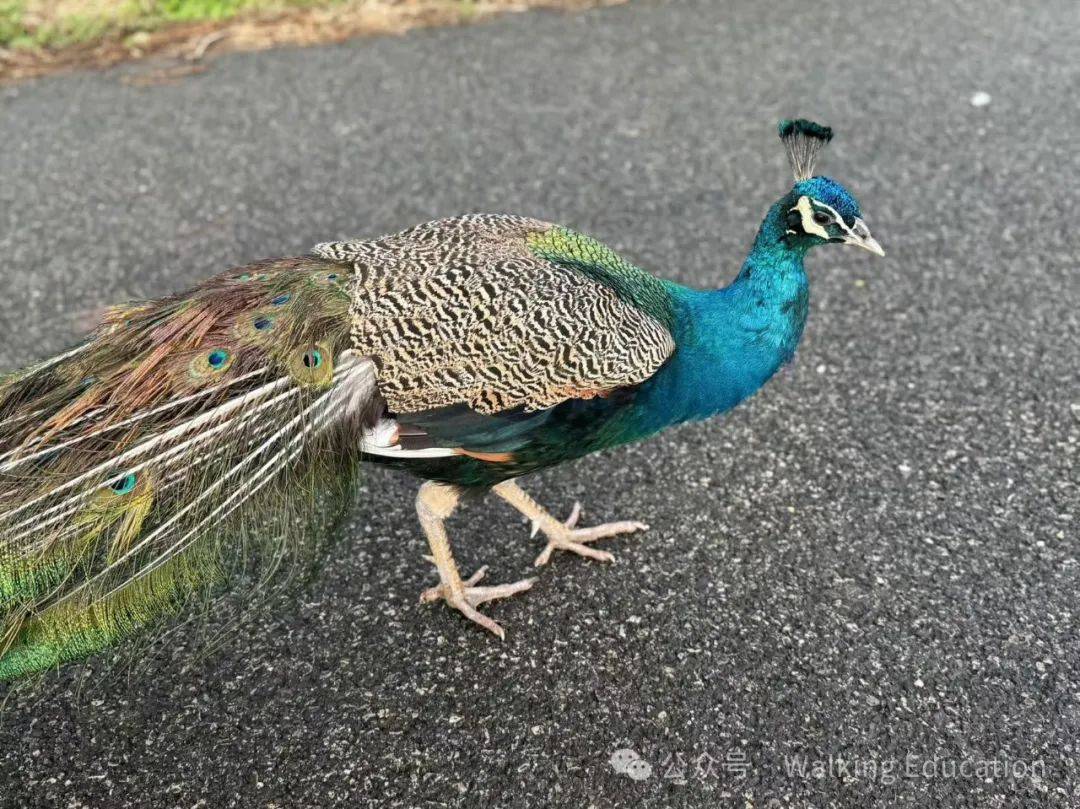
[803, 140]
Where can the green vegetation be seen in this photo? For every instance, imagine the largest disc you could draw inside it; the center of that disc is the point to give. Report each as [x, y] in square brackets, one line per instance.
[57, 24]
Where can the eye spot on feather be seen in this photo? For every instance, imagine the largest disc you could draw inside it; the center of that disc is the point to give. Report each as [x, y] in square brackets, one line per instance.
[281, 300]
[212, 363]
[312, 365]
[257, 327]
[124, 485]
[246, 277]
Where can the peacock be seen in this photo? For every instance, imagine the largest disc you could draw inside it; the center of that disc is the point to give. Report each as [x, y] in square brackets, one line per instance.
[193, 442]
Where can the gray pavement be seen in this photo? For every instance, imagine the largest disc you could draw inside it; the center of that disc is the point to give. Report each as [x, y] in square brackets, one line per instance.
[873, 565]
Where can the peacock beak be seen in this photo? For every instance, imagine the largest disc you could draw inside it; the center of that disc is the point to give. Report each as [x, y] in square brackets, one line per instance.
[859, 235]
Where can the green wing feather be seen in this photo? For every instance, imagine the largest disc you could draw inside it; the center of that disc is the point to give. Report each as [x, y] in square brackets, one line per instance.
[585, 254]
[182, 446]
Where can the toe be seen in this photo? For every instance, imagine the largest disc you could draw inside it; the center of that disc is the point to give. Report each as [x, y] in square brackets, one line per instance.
[573, 547]
[480, 595]
[466, 599]
[545, 555]
[575, 514]
[608, 530]
[478, 617]
[592, 553]
[431, 594]
[475, 577]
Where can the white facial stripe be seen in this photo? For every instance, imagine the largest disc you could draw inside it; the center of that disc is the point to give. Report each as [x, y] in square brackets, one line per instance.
[806, 211]
[836, 215]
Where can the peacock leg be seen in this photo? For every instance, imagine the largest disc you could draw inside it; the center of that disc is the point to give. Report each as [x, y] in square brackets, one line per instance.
[563, 536]
[435, 502]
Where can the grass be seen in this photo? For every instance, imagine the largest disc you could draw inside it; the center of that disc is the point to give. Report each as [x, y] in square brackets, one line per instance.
[42, 37]
[57, 24]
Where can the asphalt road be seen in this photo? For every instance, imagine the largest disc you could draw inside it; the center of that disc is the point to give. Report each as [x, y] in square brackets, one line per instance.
[872, 566]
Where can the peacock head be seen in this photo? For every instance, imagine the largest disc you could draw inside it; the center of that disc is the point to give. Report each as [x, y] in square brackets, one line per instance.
[819, 210]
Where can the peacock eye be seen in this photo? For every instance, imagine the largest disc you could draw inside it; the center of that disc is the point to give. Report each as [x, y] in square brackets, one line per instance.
[124, 485]
[822, 218]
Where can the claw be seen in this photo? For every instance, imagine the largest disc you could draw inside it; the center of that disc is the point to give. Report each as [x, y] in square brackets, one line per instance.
[574, 539]
[562, 535]
[466, 599]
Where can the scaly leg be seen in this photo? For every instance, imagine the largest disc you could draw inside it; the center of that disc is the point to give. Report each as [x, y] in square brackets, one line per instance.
[564, 536]
[435, 502]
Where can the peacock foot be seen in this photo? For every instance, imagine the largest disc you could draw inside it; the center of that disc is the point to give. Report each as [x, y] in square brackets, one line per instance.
[466, 597]
[566, 537]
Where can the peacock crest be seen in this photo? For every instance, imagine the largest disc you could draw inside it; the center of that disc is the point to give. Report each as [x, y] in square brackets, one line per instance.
[803, 140]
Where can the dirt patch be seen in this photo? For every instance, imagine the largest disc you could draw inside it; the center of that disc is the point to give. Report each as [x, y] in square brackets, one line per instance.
[187, 44]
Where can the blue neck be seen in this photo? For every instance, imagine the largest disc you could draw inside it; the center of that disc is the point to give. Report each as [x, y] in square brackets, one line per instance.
[731, 340]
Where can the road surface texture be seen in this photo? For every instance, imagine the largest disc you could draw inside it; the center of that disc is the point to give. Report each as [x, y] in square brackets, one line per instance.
[859, 590]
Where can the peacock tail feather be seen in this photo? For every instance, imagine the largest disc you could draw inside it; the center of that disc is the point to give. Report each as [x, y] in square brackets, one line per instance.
[183, 445]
